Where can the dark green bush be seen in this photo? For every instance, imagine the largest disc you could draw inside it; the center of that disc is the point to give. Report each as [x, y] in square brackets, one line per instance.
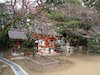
[94, 45]
[5, 42]
[57, 16]
[72, 1]
[28, 43]
[97, 5]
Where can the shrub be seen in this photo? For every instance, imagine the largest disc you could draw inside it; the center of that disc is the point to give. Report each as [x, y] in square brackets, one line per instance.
[97, 5]
[85, 26]
[31, 16]
[68, 24]
[28, 43]
[5, 42]
[57, 16]
[72, 24]
[72, 1]
[94, 45]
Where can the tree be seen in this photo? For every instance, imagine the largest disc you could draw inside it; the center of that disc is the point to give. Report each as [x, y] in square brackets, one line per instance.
[97, 5]
[5, 15]
[94, 45]
[93, 4]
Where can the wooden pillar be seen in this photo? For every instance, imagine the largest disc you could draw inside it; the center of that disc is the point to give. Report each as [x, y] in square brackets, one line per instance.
[53, 44]
[44, 45]
[38, 45]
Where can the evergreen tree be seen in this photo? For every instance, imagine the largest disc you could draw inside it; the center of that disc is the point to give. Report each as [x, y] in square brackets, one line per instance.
[97, 5]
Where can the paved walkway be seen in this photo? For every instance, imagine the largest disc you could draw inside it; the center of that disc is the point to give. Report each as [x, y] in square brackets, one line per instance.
[15, 67]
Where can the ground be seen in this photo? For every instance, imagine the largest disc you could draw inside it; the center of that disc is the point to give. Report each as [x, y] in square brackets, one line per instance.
[72, 65]
[6, 71]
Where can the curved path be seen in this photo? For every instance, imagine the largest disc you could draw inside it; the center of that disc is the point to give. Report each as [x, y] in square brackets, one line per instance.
[15, 67]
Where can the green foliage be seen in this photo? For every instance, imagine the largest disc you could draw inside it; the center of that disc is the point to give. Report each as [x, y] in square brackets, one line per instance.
[73, 19]
[57, 16]
[92, 4]
[60, 2]
[62, 29]
[75, 22]
[46, 10]
[28, 43]
[72, 1]
[68, 24]
[66, 18]
[55, 2]
[97, 5]
[85, 26]
[72, 24]
[94, 45]
[31, 16]
[5, 42]
[4, 15]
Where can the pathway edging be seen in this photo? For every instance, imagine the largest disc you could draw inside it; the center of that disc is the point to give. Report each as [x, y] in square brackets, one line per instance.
[13, 66]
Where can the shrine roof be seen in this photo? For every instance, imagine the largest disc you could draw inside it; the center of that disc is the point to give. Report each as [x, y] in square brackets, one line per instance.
[45, 30]
[18, 34]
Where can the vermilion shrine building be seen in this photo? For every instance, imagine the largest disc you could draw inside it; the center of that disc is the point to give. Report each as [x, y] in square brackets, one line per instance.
[46, 39]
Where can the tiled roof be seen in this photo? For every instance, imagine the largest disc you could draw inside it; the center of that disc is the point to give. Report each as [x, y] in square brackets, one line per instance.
[45, 30]
[19, 34]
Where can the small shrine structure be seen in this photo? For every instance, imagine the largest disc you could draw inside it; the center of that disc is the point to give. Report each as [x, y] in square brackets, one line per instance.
[17, 35]
[46, 39]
